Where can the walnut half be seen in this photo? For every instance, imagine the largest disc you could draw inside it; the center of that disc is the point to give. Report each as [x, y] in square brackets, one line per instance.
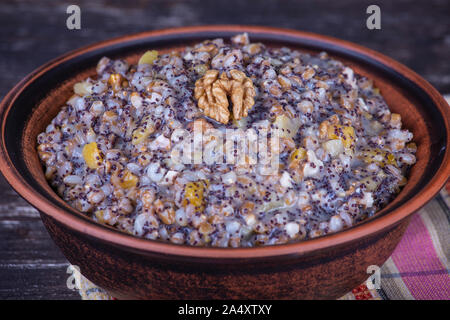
[212, 92]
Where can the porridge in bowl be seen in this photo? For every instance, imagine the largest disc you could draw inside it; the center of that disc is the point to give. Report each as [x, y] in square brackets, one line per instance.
[227, 144]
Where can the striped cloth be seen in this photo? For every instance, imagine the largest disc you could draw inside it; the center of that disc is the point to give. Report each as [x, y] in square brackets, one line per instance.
[418, 269]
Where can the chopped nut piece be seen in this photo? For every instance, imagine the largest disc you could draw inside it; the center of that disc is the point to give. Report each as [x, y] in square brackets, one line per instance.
[115, 81]
[205, 228]
[202, 123]
[284, 82]
[253, 48]
[167, 216]
[308, 73]
[323, 129]
[147, 198]
[242, 94]
[212, 98]
[209, 47]
[212, 93]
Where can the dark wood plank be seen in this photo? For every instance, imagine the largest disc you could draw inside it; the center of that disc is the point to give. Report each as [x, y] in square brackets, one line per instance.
[31, 266]
[417, 33]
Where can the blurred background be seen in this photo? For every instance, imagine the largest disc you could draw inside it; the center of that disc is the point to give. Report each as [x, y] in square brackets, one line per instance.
[416, 33]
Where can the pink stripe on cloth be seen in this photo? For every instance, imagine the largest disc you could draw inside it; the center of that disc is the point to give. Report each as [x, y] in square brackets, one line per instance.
[420, 267]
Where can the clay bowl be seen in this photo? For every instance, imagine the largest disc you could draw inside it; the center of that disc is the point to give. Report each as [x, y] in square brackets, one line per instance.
[128, 267]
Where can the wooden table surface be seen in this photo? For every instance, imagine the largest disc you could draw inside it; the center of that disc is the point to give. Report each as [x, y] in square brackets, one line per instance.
[416, 33]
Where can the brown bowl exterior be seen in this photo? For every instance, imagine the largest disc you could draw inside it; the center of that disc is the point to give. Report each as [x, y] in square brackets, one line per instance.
[130, 267]
[322, 274]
